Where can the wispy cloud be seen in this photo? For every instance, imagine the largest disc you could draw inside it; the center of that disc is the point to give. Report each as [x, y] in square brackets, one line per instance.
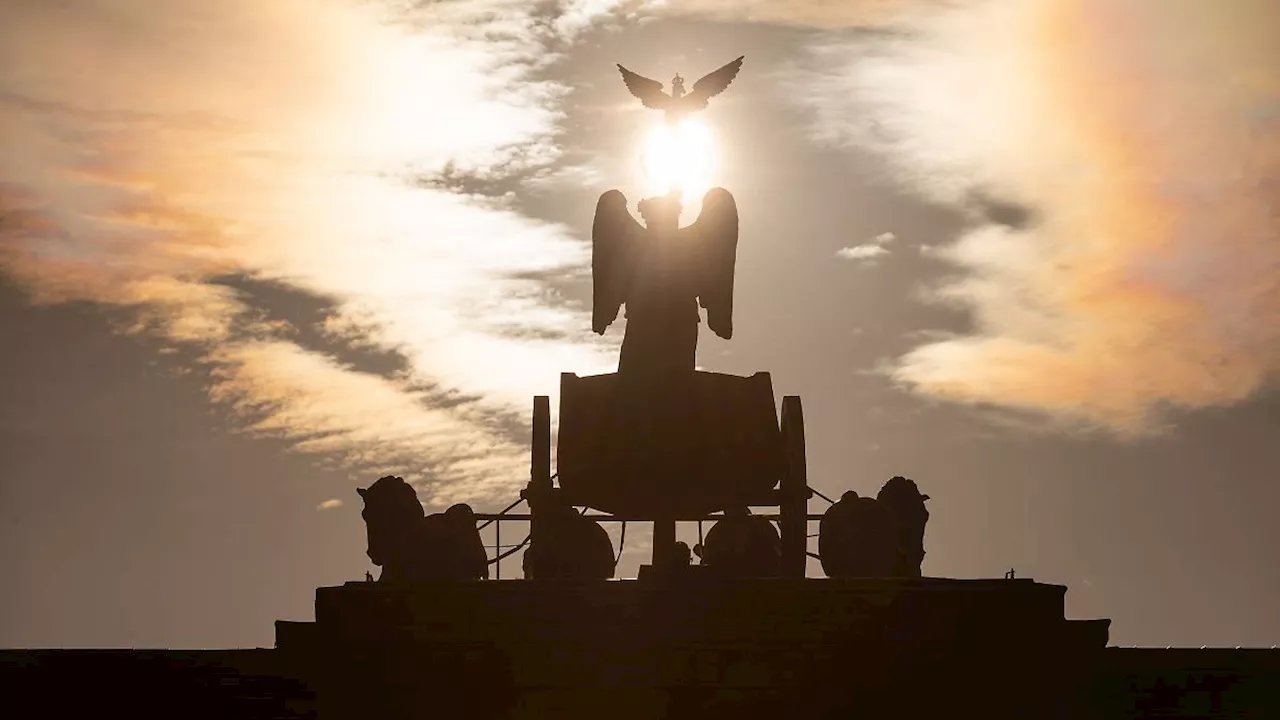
[330, 504]
[868, 251]
[147, 149]
[862, 252]
[819, 13]
[1143, 138]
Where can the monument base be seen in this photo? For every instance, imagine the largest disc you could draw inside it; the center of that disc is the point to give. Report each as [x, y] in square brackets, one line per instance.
[685, 647]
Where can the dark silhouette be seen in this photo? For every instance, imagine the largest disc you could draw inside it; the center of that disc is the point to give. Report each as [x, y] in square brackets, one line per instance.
[463, 555]
[904, 498]
[568, 546]
[880, 537]
[662, 273]
[742, 545]
[859, 537]
[669, 448]
[683, 556]
[677, 105]
[411, 546]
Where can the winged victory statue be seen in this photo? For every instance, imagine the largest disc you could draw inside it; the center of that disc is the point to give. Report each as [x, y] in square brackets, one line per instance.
[663, 273]
[661, 438]
[678, 104]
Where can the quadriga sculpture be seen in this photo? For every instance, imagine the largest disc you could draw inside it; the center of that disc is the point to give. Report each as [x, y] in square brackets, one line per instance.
[411, 546]
[568, 546]
[904, 498]
[858, 537]
[742, 545]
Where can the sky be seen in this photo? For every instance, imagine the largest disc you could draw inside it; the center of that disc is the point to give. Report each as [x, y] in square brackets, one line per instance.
[256, 254]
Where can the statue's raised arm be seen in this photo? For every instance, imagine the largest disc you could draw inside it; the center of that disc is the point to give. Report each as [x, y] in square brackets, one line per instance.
[614, 236]
[715, 234]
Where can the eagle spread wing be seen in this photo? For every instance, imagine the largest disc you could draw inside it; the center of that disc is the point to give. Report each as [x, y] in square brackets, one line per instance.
[711, 85]
[614, 234]
[649, 91]
[715, 234]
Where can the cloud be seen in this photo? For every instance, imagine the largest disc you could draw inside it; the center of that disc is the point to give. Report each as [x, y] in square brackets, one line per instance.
[862, 252]
[868, 251]
[1139, 145]
[330, 504]
[146, 150]
[805, 13]
[379, 425]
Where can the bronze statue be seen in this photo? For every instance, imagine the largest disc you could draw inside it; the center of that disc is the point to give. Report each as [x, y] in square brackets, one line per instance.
[741, 545]
[858, 537]
[568, 546]
[683, 556]
[411, 546]
[662, 273]
[904, 498]
[677, 105]
[462, 555]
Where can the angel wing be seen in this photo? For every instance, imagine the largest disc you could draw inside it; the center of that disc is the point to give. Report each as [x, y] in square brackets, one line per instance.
[649, 91]
[715, 234]
[614, 234]
[710, 85]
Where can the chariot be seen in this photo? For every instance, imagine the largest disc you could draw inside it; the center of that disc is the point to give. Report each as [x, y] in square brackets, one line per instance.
[699, 445]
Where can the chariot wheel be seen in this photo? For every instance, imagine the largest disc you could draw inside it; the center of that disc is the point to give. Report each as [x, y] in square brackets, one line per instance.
[539, 465]
[794, 488]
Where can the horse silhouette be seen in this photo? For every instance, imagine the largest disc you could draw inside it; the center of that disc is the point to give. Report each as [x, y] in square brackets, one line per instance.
[904, 498]
[858, 537]
[568, 546]
[411, 546]
[875, 537]
[742, 545]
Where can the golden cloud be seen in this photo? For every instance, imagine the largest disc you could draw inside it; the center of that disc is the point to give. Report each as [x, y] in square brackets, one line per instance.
[146, 150]
[1145, 136]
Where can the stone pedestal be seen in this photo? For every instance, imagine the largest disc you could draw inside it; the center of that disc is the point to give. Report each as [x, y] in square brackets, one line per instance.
[696, 647]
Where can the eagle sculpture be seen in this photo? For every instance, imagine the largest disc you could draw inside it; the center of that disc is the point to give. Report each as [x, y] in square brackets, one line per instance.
[663, 273]
[677, 104]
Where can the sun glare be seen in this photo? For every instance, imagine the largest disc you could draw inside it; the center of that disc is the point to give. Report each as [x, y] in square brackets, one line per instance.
[680, 158]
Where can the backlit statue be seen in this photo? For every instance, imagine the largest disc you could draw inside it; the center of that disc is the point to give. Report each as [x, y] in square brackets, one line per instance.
[677, 105]
[904, 498]
[568, 546]
[742, 545]
[412, 546]
[858, 537]
[662, 273]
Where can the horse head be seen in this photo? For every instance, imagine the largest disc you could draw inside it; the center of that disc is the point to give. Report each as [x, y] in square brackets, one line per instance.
[391, 509]
[903, 496]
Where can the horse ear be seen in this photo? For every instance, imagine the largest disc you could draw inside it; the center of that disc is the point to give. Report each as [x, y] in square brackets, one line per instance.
[362, 491]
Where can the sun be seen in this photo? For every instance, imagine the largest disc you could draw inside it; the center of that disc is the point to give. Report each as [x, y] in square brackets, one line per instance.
[680, 157]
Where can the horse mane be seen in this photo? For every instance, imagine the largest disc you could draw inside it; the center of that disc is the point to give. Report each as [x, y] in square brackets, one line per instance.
[392, 497]
[900, 492]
